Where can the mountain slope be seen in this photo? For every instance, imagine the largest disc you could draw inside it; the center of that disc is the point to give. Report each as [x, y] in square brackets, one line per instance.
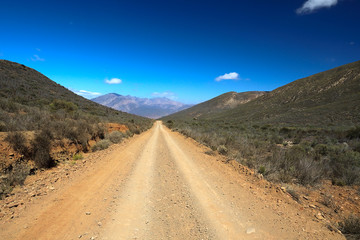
[218, 104]
[152, 108]
[331, 97]
[24, 92]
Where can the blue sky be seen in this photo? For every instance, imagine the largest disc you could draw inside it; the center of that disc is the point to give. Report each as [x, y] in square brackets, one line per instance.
[190, 51]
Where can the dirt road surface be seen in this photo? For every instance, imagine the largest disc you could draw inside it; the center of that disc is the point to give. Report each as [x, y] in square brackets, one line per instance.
[160, 185]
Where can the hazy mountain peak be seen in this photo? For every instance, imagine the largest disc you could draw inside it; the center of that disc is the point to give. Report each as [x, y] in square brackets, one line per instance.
[147, 107]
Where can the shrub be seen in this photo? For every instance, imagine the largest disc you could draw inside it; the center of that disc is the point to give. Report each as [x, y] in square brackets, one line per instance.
[15, 177]
[170, 124]
[262, 170]
[309, 171]
[18, 174]
[101, 145]
[58, 104]
[354, 133]
[345, 166]
[293, 194]
[222, 150]
[78, 156]
[115, 137]
[18, 142]
[350, 225]
[41, 149]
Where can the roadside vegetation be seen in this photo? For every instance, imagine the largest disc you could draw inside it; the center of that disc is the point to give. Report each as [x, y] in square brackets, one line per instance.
[303, 155]
[39, 115]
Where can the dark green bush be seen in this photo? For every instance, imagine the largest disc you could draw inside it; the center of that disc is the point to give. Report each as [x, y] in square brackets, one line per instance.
[354, 133]
[345, 165]
[41, 149]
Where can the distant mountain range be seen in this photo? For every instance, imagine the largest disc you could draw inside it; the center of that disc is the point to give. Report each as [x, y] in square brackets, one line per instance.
[146, 107]
[328, 98]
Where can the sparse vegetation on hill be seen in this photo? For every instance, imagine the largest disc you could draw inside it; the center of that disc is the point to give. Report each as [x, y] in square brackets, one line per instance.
[226, 101]
[54, 116]
[303, 132]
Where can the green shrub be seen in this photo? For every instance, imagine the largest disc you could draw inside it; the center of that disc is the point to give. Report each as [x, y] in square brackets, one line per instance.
[262, 170]
[78, 156]
[321, 149]
[115, 137]
[58, 104]
[345, 165]
[170, 124]
[101, 145]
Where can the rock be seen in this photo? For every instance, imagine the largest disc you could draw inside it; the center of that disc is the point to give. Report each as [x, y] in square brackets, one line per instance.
[319, 216]
[99, 224]
[88, 213]
[306, 198]
[13, 205]
[250, 230]
[51, 188]
[312, 206]
[283, 189]
[11, 154]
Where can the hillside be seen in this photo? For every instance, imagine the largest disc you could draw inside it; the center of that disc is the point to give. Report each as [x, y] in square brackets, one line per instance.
[146, 107]
[41, 122]
[25, 86]
[304, 132]
[218, 104]
[331, 97]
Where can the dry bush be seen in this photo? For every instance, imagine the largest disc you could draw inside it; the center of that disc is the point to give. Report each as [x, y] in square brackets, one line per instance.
[101, 145]
[222, 150]
[18, 142]
[16, 176]
[350, 225]
[41, 149]
[115, 137]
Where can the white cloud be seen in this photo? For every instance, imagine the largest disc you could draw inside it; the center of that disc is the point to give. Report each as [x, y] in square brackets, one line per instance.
[312, 5]
[228, 76]
[36, 58]
[113, 81]
[87, 94]
[166, 94]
